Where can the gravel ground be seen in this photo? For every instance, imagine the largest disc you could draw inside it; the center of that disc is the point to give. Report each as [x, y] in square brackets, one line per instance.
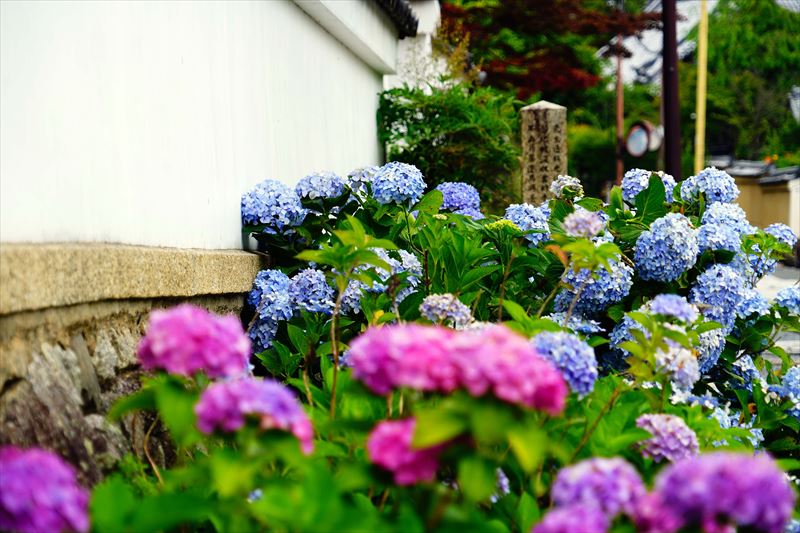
[784, 276]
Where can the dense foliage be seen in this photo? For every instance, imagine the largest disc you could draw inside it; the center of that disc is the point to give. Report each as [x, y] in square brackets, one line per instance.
[458, 133]
[574, 366]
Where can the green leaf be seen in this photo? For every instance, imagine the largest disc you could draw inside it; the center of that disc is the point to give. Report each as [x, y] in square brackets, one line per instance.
[298, 338]
[528, 444]
[435, 426]
[476, 478]
[590, 204]
[650, 202]
[430, 203]
[176, 408]
[112, 502]
[141, 400]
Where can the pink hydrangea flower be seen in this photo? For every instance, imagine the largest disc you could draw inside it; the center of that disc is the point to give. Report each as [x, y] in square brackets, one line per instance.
[187, 339]
[389, 446]
[404, 355]
[226, 406]
[501, 362]
[40, 492]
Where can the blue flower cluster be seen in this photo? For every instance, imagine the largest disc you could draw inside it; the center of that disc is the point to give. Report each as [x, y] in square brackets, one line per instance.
[359, 178]
[274, 204]
[789, 389]
[718, 291]
[270, 296]
[528, 217]
[573, 357]
[752, 303]
[783, 233]
[711, 344]
[673, 305]
[714, 237]
[320, 185]
[730, 216]
[636, 180]
[398, 183]
[564, 186]
[728, 419]
[715, 185]
[408, 263]
[458, 195]
[310, 291]
[583, 223]
[262, 333]
[746, 372]
[445, 309]
[598, 290]
[680, 365]
[789, 297]
[667, 250]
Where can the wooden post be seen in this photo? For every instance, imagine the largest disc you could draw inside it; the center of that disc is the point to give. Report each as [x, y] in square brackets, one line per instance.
[700, 103]
[544, 148]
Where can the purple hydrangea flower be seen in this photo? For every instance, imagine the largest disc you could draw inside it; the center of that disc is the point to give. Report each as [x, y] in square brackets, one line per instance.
[320, 185]
[470, 212]
[730, 216]
[573, 357]
[583, 223]
[389, 446]
[270, 295]
[673, 305]
[716, 237]
[716, 185]
[457, 196]
[186, 339]
[445, 309]
[573, 519]
[596, 290]
[721, 490]
[719, 291]
[667, 250]
[226, 406]
[783, 233]
[636, 180]
[789, 298]
[528, 217]
[398, 183]
[611, 485]
[564, 186]
[39, 492]
[274, 204]
[309, 290]
[672, 439]
[652, 516]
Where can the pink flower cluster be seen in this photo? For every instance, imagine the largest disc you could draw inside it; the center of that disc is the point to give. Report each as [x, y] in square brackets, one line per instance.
[389, 446]
[494, 360]
[187, 339]
[225, 406]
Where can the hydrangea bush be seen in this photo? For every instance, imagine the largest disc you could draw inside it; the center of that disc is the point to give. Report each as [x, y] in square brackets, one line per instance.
[411, 364]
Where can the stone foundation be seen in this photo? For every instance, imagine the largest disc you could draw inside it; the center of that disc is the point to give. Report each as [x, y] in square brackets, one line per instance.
[62, 367]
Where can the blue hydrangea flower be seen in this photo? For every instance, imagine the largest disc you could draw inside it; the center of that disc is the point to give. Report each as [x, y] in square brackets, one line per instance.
[474, 214]
[789, 389]
[408, 263]
[274, 204]
[745, 369]
[636, 180]
[576, 323]
[358, 179]
[730, 216]
[667, 250]
[573, 357]
[716, 185]
[752, 303]
[714, 237]
[270, 296]
[718, 292]
[564, 183]
[675, 306]
[351, 299]
[527, 218]
[320, 185]
[583, 223]
[458, 195]
[789, 297]
[597, 291]
[503, 486]
[680, 365]
[711, 344]
[262, 333]
[310, 291]
[398, 183]
[783, 233]
[445, 309]
[728, 418]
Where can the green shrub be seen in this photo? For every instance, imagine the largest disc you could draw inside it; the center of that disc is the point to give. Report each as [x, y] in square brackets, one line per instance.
[456, 134]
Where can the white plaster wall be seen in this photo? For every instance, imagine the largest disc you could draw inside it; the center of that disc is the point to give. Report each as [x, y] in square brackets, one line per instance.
[143, 122]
